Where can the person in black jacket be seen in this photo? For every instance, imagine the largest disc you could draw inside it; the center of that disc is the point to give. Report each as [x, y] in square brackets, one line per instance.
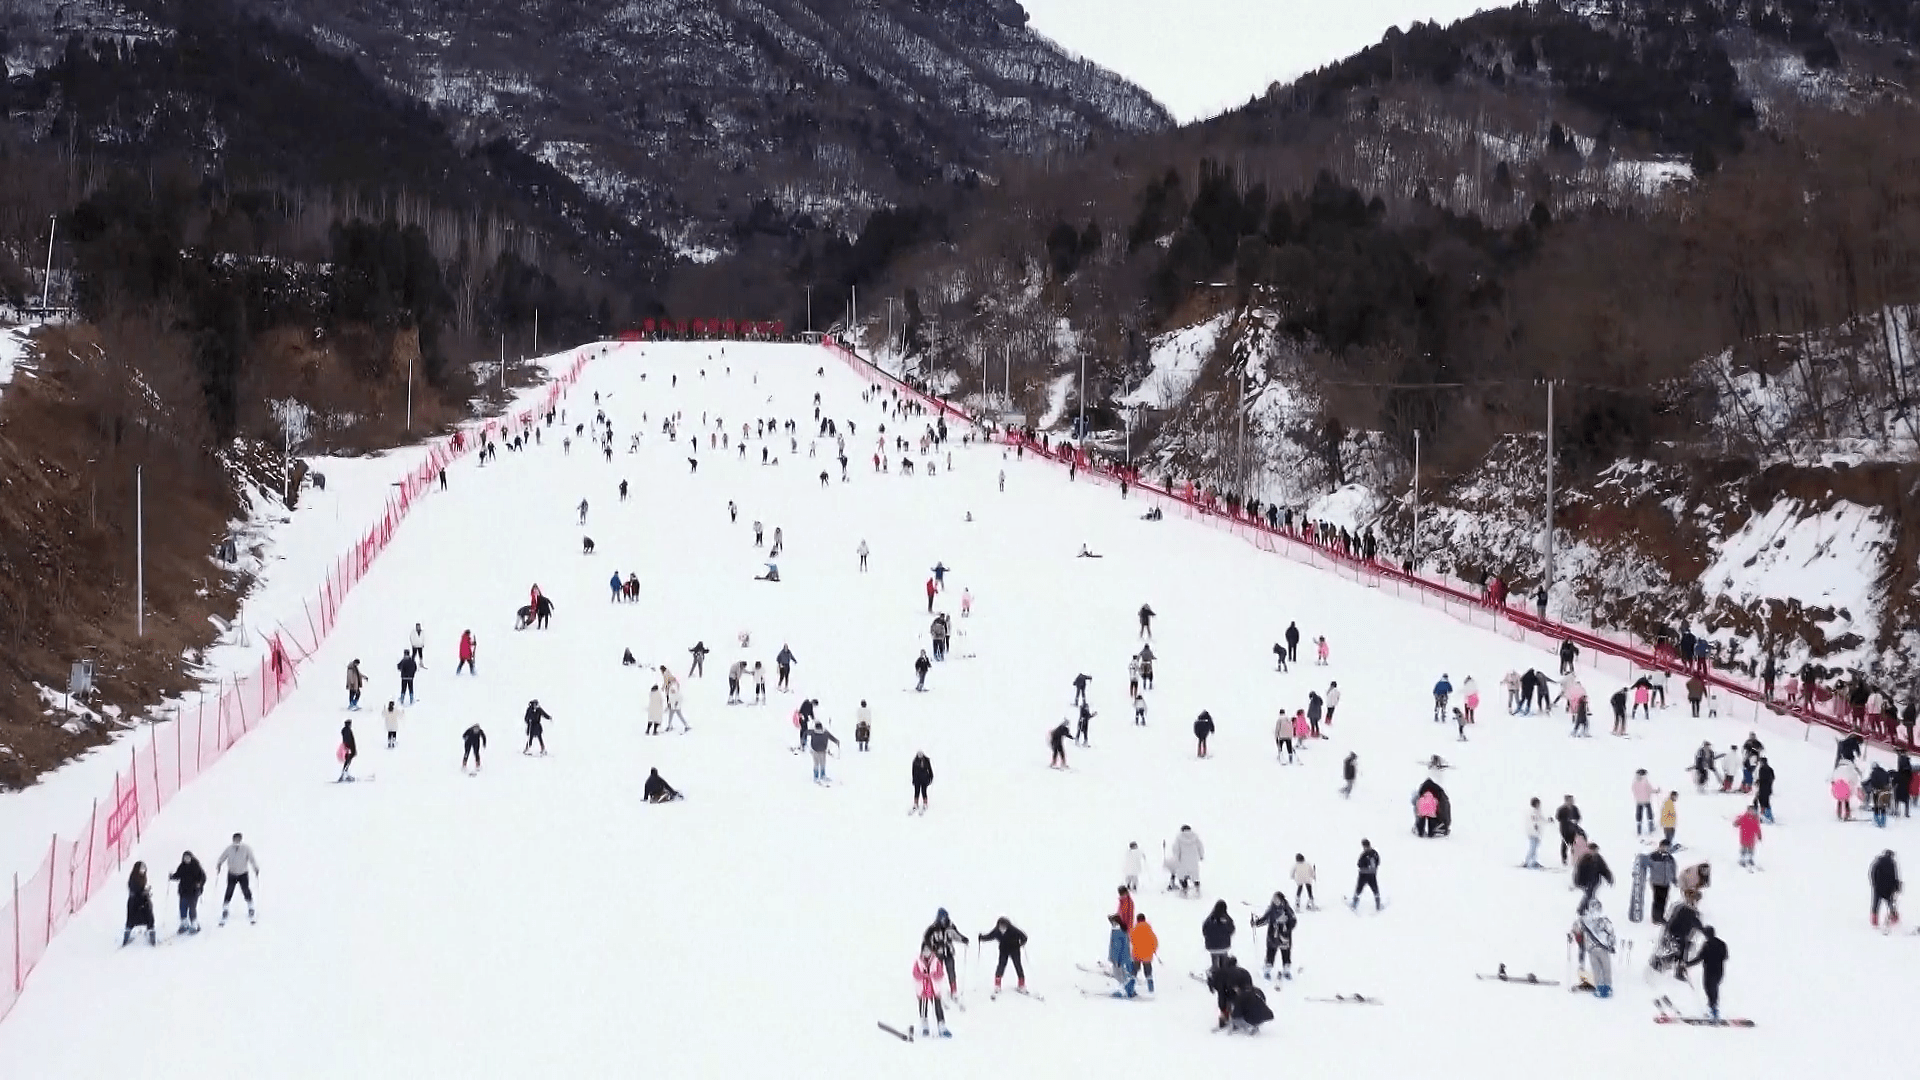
[1279, 920]
[139, 905]
[1590, 873]
[1250, 1009]
[1681, 926]
[1902, 786]
[1011, 940]
[471, 740]
[408, 665]
[535, 716]
[1661, 874]
[1369, 866]
[940, 937]
[657, 789]
[922, 776]
[1885, 875]
[699, 652]
[920, 669]
[1293, 643]
[1227, 979]
[1202, 728]
[542, 611]
[1057, 739]
[192, 878]
[1712, 960]
[1216, 930]
[349, 750]
[1763, 790]
[1568, 815]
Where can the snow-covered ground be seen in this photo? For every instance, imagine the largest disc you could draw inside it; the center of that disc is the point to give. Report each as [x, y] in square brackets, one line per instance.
[15, 343]
[540, 919]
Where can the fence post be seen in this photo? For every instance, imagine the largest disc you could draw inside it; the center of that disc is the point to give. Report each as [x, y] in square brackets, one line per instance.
[53, 854]
[153, 744]
[179, 754]
[133, 780]
[93, 829]
[19, 976]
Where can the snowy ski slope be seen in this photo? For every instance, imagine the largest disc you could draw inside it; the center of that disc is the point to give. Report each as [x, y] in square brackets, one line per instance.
[539, 919]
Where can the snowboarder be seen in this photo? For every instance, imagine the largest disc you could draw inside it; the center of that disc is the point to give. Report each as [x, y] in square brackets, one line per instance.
[139, 906]
[349, 749]
[1011, 940]
[928, 970]
[407, 666]
[535, 716]
[1279, 920]
[922, 777]
[1202, 728]
[355, 681]
[192, 881]
[471, 741]
[819, 742]
[392, 716]
[240, 865]
[1369, 877]
[1183, 866]
[657, 790]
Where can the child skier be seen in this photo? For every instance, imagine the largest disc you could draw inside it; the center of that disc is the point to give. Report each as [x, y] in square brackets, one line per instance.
[927, 973]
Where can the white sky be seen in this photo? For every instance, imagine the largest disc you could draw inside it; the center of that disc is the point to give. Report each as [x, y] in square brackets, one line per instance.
[1202, 57]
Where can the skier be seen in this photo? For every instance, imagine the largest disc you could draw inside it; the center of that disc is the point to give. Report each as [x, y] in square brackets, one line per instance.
[756, 534]
[139, 906]
[932, 587]
[783, 664]
[1333, 702]
[1589, 873]
[192, 878]
[927, 972]
[1670, 815]
[471, 741]
[1057, 739]
[1884, 875]
[1320, 651]
[1279, 658]
[863, 725]
[1279, 920]
[466, 654]
[1643, 792]
[1080, 682]
[583, 511]
[417, 641]
[1748, 827]
[922, 777]
[920, 669]
[1011, 940]
[1216, 932]
[1202, 728]
[1536, 823]
[355, 681]
[759, 684]
[1314, 705]
[656, 789]
[534, 717]
[1595, 933]
[1712, 961]
[349, 749]
[1132, 865]
[1568, 650]
[1228, 980]
[1303, 876]
[1183, 866]
[1146, 666]
[1142, 945]
[673, 702]
[779, 544]
[656, 709]
[392, 716]
[699, 652]
[1283, 735]
[966, 603]
[407, 666]
[1293, 643]
[862, 550]
[1349, 771]
[735, 673]
[542, 612]
[1369, 878]
[1441, 691]
[818, 742]
[1139, 710]
[240, 866]
[1703, 760]
[1568, 817]
[940, 937]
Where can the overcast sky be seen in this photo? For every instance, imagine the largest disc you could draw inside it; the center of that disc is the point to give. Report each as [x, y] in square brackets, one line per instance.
[1202, 57]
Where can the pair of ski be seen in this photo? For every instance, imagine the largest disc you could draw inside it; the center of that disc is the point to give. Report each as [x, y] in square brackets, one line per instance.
[1529, 979]
[1667, 1013]
[907, 1035]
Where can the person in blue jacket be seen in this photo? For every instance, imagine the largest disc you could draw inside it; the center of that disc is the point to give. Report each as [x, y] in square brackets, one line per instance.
[1441, 691]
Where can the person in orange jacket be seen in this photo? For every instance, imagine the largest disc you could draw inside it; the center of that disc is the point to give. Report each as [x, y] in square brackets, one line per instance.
[1145, 944]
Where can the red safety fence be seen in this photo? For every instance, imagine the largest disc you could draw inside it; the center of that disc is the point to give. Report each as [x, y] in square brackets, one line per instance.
[80, 863]
[1600, 650]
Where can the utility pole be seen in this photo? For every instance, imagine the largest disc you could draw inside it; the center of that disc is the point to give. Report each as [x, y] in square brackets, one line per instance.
[503, 363]
[536, 331]
[409, 394]
[139, 554]
[809, 309]
[1081, 431]
[853, 309]
[1413, 545]
[1006, 352]
[46, 292]
[889, 322]
[1547, 583]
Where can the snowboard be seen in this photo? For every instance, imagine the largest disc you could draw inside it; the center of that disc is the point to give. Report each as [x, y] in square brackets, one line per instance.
[1637, 898]
[1529, 979]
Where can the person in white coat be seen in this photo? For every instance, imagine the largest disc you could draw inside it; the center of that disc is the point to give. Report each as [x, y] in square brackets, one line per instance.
[673, 707]
[656, 709]
[1536, 824]
[1132, 866]
[1183, 865]
[1333, 702]
[392, 716]
[1303, 876]
[417, 641]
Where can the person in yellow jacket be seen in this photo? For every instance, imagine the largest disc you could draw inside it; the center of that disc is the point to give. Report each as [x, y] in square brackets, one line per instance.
[1145, 945]
[1669, 815]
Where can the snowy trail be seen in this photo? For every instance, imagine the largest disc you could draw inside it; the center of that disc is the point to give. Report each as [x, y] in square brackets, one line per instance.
[540, 918]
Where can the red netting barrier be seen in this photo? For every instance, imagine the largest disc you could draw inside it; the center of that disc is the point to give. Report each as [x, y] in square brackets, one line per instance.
[1600, 650]
[79, 863]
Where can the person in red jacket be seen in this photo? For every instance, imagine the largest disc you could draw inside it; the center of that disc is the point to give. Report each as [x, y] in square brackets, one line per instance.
[932, 587]
[1125, 911]
[533, 598]
[466, 654]
[1748, 826]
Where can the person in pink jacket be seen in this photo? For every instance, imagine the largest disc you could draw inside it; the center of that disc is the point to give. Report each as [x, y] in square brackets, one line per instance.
[1472, 690]
[1748, 826]
[1426, 808]
[1643, 792]
[1642, 694]
[1302, 728]
[928, 972]
[1842, 799]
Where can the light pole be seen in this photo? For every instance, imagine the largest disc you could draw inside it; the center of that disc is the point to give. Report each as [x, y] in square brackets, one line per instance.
[809, 309]
[889, 322]
[1081, 431]
[139, 554]
[1413, 545]
[410, 391]
[1547, 582]
[853, 311]
[46, 291]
